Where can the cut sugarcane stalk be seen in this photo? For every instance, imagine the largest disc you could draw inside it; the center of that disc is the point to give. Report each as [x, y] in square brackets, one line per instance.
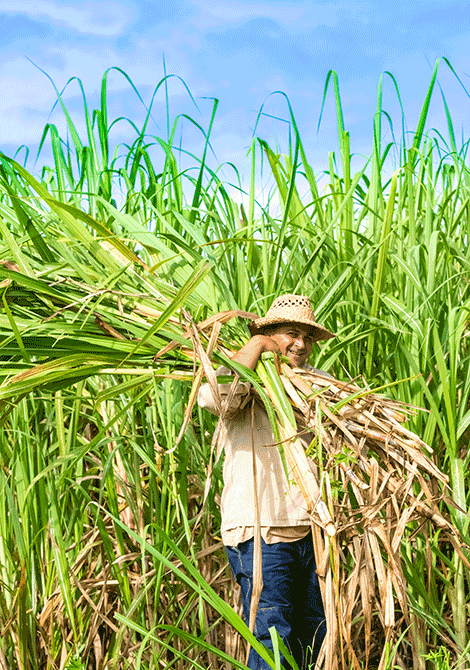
[299, 467]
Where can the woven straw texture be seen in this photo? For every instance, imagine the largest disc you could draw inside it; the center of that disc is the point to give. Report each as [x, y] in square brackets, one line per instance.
[291, 308]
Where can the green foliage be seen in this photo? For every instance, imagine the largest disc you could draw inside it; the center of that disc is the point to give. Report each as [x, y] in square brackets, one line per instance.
[93, 483]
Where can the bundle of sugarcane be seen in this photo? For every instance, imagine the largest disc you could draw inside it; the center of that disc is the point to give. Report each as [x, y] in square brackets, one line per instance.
[367, 482]
[368, 477]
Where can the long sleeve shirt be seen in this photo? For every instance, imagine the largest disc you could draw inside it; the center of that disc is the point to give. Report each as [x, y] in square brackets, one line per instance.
[282, 506]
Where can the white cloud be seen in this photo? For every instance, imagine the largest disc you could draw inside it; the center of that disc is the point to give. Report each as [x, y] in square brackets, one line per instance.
[28, 96]
[301, 14]
[105, 18]
[213, 14]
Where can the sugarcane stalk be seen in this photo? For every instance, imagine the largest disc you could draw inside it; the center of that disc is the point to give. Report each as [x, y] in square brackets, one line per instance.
[299, 467]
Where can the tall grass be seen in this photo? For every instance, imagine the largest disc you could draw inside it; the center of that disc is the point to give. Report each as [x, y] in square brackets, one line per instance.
[101, 561]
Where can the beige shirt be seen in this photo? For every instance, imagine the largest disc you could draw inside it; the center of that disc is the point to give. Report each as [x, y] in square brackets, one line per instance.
[282, 506]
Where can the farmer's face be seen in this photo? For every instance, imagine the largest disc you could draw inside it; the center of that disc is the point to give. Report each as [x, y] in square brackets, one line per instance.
[294, 340]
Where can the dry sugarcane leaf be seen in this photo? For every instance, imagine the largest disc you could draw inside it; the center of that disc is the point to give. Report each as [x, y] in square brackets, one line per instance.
[332, 642]
[299, 382]
[294, 396]
[257, 559]
[340, 424]
[403, 521]
[351, 591]
[306, 480]
[195, 388]
[322, 557]
[220, 318]
[381, 572]
[392, 565]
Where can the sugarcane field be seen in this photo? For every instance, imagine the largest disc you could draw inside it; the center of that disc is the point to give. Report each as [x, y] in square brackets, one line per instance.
[131, 287]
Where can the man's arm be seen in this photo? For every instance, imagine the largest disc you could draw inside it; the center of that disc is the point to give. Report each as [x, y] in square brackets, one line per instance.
[252, 350]
[248, 356]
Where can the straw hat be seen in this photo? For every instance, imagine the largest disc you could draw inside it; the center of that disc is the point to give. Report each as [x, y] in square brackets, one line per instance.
[291, 309]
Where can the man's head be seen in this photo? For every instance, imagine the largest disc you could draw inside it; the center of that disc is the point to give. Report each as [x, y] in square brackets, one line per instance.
[291, 323]
[295, 340]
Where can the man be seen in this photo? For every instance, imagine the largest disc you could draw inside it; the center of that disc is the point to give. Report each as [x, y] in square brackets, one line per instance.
[290, 599]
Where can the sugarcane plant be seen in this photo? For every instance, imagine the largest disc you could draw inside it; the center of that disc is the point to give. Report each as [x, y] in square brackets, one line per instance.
[126, 277]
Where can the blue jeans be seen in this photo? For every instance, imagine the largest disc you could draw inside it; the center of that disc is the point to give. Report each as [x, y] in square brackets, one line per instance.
[290, 599]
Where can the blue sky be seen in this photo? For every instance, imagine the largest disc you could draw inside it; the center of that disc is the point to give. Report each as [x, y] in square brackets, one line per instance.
[238, 52]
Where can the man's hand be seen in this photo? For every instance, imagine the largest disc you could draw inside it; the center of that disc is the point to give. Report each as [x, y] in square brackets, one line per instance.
[252, 350]
[266, 342]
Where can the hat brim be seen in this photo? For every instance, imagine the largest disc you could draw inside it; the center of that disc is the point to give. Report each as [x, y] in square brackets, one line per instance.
[320, 332]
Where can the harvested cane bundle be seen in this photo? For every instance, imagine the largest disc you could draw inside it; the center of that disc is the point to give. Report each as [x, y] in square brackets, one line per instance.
[370, 486]
[367, 479]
